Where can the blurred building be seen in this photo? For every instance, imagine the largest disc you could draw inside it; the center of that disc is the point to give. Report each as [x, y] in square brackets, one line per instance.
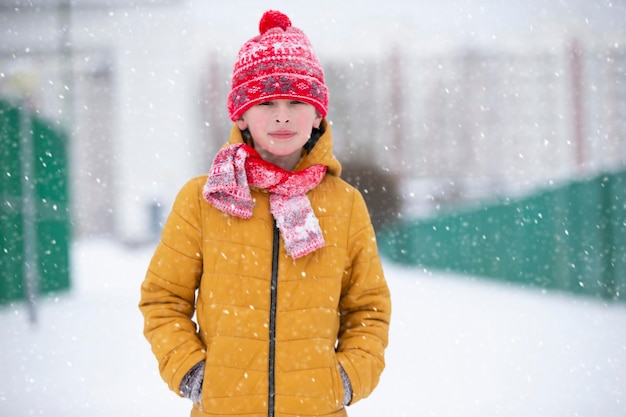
[462, 125]
[141, 87]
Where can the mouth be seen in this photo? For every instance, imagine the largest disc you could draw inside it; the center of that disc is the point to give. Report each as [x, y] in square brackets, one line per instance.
[282, 134]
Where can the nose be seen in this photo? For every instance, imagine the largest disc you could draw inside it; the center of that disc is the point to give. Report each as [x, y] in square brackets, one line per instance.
[282, 112]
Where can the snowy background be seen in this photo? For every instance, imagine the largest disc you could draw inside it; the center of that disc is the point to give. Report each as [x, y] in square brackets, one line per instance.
[458, 347]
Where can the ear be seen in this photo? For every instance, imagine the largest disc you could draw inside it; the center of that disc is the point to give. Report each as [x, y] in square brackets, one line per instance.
[318, 120]
[242, 124]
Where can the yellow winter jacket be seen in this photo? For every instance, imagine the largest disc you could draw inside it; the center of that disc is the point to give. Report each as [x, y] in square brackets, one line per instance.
[329, 307]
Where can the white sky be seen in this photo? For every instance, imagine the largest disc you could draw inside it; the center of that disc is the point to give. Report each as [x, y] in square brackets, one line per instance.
[365, 25]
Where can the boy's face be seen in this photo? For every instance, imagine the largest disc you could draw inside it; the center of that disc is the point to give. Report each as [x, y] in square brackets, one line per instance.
[280, 127]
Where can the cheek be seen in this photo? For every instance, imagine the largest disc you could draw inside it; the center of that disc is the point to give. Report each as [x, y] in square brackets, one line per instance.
[308, 120]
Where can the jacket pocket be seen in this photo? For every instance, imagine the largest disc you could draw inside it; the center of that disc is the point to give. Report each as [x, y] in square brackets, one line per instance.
[235, 377]
[337, 382]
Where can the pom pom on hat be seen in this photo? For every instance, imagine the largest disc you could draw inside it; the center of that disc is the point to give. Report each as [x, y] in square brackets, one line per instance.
[273, 19]
[277, 64]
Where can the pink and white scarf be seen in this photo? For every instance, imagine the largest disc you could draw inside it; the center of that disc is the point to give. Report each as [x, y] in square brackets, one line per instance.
[239, 166]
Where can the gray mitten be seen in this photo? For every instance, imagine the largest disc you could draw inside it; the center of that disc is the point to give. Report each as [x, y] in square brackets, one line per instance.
[191, 385]
[347, 387]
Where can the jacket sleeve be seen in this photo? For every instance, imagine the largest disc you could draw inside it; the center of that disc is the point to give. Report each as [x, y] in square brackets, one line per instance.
[365, 307]
[168, 290]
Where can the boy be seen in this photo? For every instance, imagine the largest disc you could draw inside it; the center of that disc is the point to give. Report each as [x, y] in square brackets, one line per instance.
[292, 307]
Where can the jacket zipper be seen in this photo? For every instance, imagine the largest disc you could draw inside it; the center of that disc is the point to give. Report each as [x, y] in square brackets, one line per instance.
[272, 324]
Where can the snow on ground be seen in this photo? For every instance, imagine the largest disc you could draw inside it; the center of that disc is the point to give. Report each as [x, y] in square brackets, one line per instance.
[458, 347]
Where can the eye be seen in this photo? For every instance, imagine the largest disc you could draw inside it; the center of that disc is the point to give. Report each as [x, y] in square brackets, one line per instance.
[265, 103]
[297, 102]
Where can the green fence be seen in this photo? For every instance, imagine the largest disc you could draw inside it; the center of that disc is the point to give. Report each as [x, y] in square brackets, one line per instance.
[34, 214]
[571, 238]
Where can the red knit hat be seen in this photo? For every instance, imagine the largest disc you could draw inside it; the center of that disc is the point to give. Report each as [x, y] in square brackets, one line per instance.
[278, 64]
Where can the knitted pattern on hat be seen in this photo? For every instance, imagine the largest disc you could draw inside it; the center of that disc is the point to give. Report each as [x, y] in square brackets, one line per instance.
[238, 166]
[278, 64]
